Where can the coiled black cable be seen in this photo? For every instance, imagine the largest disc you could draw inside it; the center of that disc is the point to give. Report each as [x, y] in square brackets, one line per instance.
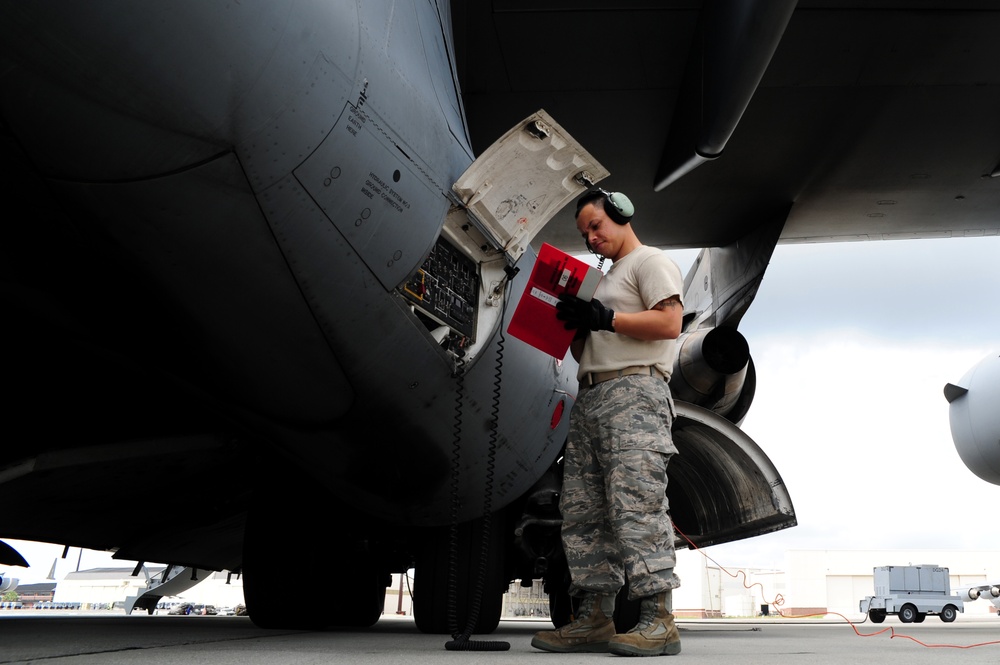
[456, 454]
[461, 641]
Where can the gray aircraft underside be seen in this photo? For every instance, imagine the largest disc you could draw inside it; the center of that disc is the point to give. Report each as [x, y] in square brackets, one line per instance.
[250, 272]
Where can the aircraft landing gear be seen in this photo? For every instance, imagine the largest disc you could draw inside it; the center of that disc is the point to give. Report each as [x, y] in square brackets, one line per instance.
[277, 531]
[431, 586]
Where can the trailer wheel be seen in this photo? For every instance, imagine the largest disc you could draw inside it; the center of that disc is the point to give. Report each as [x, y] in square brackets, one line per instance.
[876, 615]
[949, 613]
[908, 613]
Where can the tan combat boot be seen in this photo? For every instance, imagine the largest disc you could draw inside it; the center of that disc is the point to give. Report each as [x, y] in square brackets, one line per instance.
[589, 632]
[654, 635]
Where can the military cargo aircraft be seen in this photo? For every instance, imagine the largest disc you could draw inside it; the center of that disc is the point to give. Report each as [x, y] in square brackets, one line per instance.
[271, 249]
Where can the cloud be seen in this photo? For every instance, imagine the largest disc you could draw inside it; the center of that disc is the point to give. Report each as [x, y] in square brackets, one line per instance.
[910, 289]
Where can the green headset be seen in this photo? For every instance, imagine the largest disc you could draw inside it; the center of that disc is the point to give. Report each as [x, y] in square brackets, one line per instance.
[620, 209]
[617, 207]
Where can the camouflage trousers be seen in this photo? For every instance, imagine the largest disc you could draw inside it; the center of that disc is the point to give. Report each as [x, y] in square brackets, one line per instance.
[614, 504]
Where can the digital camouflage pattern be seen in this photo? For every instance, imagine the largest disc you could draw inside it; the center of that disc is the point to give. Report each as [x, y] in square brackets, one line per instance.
[614, 503]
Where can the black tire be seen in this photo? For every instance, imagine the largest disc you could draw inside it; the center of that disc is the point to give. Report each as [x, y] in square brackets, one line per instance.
[275, 527]
[563, 607]
[920, 617]
[626, 611]
[949, 613]
[432, 586]
[876, 615]
[270, 529]
[362, 594]
[908, 613]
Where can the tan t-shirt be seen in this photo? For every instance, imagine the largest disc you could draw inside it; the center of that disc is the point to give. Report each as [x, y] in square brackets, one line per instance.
[635, 283]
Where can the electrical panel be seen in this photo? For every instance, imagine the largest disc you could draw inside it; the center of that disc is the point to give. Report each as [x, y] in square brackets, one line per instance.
[445, 289]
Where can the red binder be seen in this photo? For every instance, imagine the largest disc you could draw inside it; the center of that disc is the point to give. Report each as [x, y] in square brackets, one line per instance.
[534, 320]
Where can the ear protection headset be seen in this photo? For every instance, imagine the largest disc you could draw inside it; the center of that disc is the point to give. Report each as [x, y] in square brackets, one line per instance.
[621, 209]
[617, 207]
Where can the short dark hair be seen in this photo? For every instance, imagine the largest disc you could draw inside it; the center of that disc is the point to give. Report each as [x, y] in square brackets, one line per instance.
[595, 196]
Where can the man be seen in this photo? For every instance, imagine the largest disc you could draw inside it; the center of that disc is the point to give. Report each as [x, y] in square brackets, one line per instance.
[613, 503]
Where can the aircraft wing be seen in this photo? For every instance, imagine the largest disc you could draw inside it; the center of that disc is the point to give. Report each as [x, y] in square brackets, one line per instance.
[976, 591]
[845, 121]
[989, 592]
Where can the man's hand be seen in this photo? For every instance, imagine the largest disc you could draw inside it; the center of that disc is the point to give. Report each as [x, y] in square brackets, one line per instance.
[584, 314]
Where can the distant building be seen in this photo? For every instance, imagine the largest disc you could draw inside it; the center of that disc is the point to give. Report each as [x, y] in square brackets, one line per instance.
[525, 602]
[32, 594]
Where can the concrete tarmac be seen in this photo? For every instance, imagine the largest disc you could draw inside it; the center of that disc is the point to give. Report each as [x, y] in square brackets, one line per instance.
[105, 638]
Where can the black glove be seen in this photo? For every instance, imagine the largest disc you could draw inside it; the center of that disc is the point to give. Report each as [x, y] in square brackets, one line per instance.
[584, 314]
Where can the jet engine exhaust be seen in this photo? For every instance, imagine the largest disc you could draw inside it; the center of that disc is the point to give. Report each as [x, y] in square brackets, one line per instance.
[710, 369]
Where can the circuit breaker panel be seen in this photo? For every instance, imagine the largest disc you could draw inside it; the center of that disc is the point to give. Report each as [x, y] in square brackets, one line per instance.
[445, 289]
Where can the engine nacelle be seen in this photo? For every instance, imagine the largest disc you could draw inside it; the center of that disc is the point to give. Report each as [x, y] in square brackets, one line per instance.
[975, 418]
[711, 368]
[973, 594]
[7, 584]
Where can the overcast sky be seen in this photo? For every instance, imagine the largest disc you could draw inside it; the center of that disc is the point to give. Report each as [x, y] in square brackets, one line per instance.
[852, 344]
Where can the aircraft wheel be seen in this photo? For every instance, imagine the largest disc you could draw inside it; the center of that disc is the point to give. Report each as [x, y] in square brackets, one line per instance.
[949, 613]
[876, 615]
[276, 527]
[563, 607]
[361, 590]
[920, 617]
[908, 613]
[431, 579]
[626, 611]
